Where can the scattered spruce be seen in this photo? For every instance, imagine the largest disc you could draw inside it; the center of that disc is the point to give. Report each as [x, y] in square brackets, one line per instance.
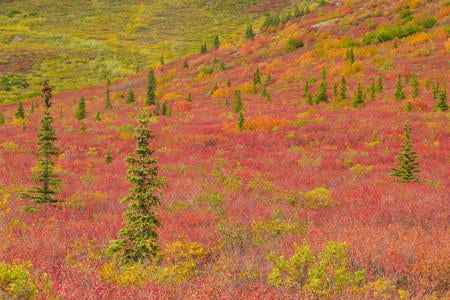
[441, 104]
[408, 167]
[249, 34]
[399, 94]
[151, 88]
[237, 104]
[108, 95]
[130, 96]
[20, 114]
[358, 99]
[80, 114]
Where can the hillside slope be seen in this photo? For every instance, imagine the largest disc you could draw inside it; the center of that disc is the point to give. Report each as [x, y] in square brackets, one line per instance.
[52, 40]
[297, 177]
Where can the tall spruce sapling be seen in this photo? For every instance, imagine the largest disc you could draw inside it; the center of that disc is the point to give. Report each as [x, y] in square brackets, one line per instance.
[130, 96]
[249, 34]
[216, 42]
[414, 87]
[241, 121]
[321, 95]
[80, 114]
[2, 118]
[108, 95]
[44, 174]
[203, 48]
[441, 104]
[20, 114]
[108, 157]
[373, 90]
[138, 240]
[237, 104]
[407, 165]
[151, 88]
[358, 99]
[399, 94]
[343, 89]
[380, 84]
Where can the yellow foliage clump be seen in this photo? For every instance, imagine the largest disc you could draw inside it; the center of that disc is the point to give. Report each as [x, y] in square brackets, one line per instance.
[351, 69]
[318, 198]
[246, 87]
[222, 93]
[358, 170]
[418, 38]
[171, 96]
[264, 123]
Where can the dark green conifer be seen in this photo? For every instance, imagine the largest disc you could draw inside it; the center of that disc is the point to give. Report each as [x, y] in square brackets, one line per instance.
[185, 64]
[380, 84]
[414, 87]
[321, 95]
[108, 157]
[151, 88]
[237, 104]
[80, 114]
[249, 34]
[229, 82]
[161, 60]
[409, 107]
[2, 118]
[216, 42]
[441, 104]
[399, 94]
[241, 121]
[108, 95]
[189, 98]
[98, 117]
[138, 240]
[408, 167]
[32, 108]
[343, 89]
[203, 48]
[44, 174]
[130, 97]
[20, 114]
[257, 77]
[358, 99]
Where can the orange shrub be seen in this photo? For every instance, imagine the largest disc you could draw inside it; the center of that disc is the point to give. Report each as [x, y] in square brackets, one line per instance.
[264, 123]
[418, 38]
[182, 106]
[223, 93]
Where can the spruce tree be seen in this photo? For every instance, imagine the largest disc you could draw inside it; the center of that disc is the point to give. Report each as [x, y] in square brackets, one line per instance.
[257, 77]
[373, 90]
[203, 48]
[130, 97]
[32, 108]
[408, 167]
[161, 60]
[108, 157]
[321, 95]
[306, 89]
[241, 121]
[358, 99]
[108, 95]
[20, 114]
[44, 174]
[189, 98]
[441, 104]
[380, 84]
[237, 104]
[335, 90]
[2, 118]
[343, 89]
[138, 240]
[80, 114]
[415, 87]
[98, 117]
[249, 34]
[435, 90]
[216, 42]
[399, 94]
[151, 88]
[185, 64]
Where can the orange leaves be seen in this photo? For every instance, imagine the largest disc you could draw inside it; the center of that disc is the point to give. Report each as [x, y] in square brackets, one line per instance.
[223, 93]
[259, 123]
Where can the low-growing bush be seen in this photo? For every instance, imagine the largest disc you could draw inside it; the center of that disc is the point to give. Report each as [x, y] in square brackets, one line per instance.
[389, 33]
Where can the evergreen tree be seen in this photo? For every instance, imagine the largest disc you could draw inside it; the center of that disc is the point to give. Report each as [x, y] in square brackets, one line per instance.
[306, 89]
[415, 87]
[256, 77]
[189, 98]
[108, 95]
[408, 167]
[2, 118]
[237, 104]
[321, 95]
[203, 48]
[108, 157]
[268, 98]
[130, 97]
[409, 107]
[98, 117]
[20, 114]
[358, 99]
[335, 90]
[343, 89]
[441, 104]
[373, 90]
[399, 94]
[151, 88]
[161, 60]
[32, 108]
[229, 82]
[435, 90]
[80, 114]
[350, 56]
[216, 42]
[249, 34]
[185, 64]
[138, 240]
[241, 121]
[44, 174]
[380, 84]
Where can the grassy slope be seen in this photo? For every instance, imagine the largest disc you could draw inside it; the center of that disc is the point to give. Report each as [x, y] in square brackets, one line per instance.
[241, 194]
[98, 39]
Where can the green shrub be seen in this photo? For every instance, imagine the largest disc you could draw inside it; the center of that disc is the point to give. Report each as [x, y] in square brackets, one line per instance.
[293, 44]
[428, 22]
[389, 33]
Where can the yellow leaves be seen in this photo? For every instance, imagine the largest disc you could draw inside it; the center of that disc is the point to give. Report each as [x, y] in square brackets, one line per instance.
[172, 96]
[418, 38]
[358, 170]
[351, 69]
[318, 198]
[9, 147]
[222, 93]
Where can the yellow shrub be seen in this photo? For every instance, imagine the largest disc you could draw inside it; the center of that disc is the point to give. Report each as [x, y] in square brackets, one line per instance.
[170, 96]
[318, 198]
[246, 87]
[351, 69]
[264, 123]
[223, 93]
[418, 38]
[358, 170]
[9, 146]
